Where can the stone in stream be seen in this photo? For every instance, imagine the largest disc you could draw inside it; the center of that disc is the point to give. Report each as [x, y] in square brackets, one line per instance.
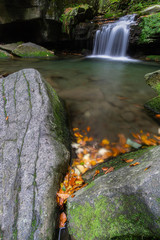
[34, 156]
[124, 204]
[153, 80]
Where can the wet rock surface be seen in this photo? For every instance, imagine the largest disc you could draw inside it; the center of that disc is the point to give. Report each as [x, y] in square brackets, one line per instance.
[124, 203]
[34, 155]
[26, 50]
[153, 80]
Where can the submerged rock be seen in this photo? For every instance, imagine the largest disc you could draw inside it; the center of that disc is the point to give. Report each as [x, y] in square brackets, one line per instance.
[34, 155]
[153, 80]
[124, 204]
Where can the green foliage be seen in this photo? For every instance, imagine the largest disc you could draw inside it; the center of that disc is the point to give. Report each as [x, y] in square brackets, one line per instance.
[155, 58]
[122, 7]
[150, 26]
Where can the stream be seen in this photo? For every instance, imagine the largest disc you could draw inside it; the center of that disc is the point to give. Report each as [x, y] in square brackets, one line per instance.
[106, 95]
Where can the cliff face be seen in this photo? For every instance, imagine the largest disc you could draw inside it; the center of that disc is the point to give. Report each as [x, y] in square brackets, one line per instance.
[29, 20]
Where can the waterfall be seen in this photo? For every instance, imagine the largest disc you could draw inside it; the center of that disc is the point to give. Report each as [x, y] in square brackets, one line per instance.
[112, 39]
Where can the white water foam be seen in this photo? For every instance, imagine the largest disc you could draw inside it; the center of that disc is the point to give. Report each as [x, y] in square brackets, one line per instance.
[111, 41]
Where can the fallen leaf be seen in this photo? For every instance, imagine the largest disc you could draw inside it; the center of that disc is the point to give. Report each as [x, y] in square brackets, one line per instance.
[62, 220]
[147, 168]
[7, 118]
[111, 169]
[104, 168]
[105, 142]
[64, 196]
[134, 164]
[81, 168]
[129, 160]
[96, 173]
[88, 129]
[75, 129]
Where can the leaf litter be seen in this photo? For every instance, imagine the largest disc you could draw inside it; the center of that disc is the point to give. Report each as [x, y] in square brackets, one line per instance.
[89, 154]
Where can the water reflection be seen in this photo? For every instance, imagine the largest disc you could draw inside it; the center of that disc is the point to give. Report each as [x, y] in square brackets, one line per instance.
[107, 95]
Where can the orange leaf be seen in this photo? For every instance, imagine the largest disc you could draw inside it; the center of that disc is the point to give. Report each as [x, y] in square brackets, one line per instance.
[134, 164]
[111, 169]
[93, 162]
[64, 196]
[157, 115]
[122, 139]
[158, 138]
[62, 220]
[90, 139]
[88, 129]
[75, 129]
[77, 134]
[7, 118]
[96, 173]
[147, 168]
[129, 160]
[105, 142]
[104, 168]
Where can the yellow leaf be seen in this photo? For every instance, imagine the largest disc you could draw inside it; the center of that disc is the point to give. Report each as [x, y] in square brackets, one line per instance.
[105, 142]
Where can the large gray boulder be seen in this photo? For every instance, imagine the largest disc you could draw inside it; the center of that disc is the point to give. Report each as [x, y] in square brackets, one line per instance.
[34, 156]
[124, 204]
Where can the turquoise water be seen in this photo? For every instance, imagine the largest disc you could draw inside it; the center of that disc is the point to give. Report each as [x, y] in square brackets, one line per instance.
[106, 95]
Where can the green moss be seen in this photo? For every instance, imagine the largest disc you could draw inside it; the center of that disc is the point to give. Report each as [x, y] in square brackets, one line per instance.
[153, 105]
[107, 218]
[123, 7]
[38, 54]
[155, 58]
[4, 54]
[150, 26]
[69, 17]
[1, 234]
[59, 123]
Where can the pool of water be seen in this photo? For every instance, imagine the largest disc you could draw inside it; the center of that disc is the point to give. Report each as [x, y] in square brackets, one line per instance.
[106, 95]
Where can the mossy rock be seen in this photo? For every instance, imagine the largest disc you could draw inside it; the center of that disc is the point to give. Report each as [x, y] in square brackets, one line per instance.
[153, 80]
[32, 50]
[153, 105]
[155, 58]
[4, 54]
[123, 204]
[75, 15]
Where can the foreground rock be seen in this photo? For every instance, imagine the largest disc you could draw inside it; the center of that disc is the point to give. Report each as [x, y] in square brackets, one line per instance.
[26, 50]
[124, 204]
[153, 80]
[33, 156]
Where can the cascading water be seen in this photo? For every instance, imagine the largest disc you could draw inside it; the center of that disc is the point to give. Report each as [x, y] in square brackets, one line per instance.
[112, 39]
